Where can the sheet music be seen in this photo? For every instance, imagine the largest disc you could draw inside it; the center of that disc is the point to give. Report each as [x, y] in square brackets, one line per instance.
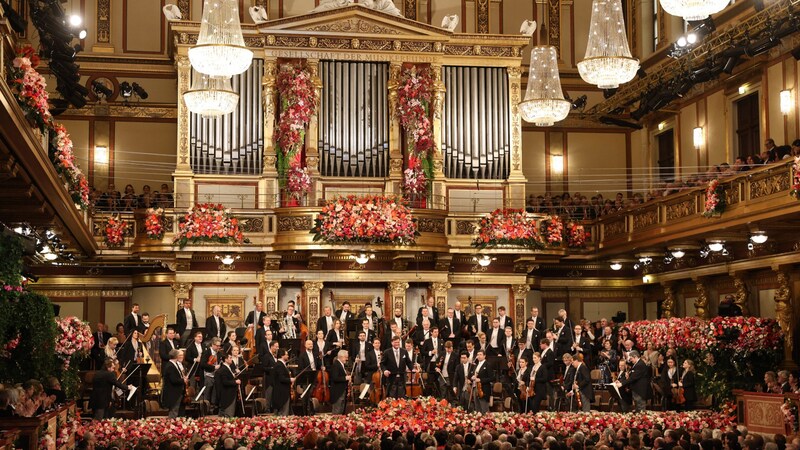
[614, 385]
[364, 391]
[251, 393]
[132, 391]
[308, 388]
[200, 394]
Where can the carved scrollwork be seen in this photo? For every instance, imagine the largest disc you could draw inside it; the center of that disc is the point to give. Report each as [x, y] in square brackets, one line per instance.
[292, 41]
[770, 185]
[353, 25]
[732, 194]
[497, 51]
[253, 225]
[459, 50]
[417, 47]
[645, 218]
[426, 225]
[295, 223]
[333, 43]
[376, 45]
[614, 228]
[465, 227]
[681, 209]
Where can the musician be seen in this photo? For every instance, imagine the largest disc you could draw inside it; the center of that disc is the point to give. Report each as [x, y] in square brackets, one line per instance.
[563, 342]
[530, 335]
[104, 381]
[483, 375]
[290, 324]
[101, 337]
[461, 380]
[359, 349]
[319, 346]
[334, 341]
[522, 380]
[132, 350]
[310, 362]
[265, 334]
[495, 339]
[562, 313]
[394, 330]
[569, 382]
[540, 376]
[372, 359]
[478, 323]
[110, 352]
[133, 321]
[121, 335]
[429, 310]
[638, 381]
[399, 321]
[209, 364]
[282, 384]
[173, 385]
[186, 320]
[625, 391]
[370, 316]
[145, 323]
[505, 321]
[508, 345]
[230, 341]
[344, 314]
[226, 385]
[167, 345]
[432, 349]
[446, 368]
[394, 363]
[422, 333]
[608, 361]
[450, 327]
[192, 358]
[325, 323]
[459, 314]
[583, 383]
[481, 343]
[340, 381]
[581, 344]
[538, 322]
[268, 361]
[367, 329]
[238, 364]
[689, 385]
[215, 325]
[471, 351]
[521, 351]
[254, 317]
[668, 382]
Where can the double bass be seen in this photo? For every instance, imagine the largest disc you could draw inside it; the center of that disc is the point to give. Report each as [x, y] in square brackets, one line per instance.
[377, 387]
[322, 391]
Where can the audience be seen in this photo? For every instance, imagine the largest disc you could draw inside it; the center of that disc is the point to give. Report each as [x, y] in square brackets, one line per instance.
[113, 201]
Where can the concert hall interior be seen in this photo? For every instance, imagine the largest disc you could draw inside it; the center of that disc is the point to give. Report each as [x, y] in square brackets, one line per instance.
[266, 210]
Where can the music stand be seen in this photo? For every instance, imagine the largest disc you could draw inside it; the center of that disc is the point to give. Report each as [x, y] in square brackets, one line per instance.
[293, 346]
[141, 379]
[352, 326]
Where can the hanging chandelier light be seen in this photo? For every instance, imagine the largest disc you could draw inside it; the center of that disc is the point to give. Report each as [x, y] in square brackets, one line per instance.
[692, 10]
[210, 96]
[608, 62]
[220, 49]
[544, 102]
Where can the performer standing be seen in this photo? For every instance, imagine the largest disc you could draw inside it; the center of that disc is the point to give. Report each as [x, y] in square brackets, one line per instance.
[461, 380]
[689, 385]
[132, 351]
[210, 363]
[340, 380]
[446, 368]
[325, 323]
[226, 386]
[174, 383]
[334, 341]
[166, 346]
[523, 379]
[483, 375]
[540, 377]
[583, 384]
[133, 321]
[215, 325]
[254, 317]
[186, 321]
[394, 363]
[268, 363]
[281, 392]
[310, 362]
[638, 381]
[450, 327]
[104, 381]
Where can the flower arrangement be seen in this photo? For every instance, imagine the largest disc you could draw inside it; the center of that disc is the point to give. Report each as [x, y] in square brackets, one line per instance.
[416, 415]
[369, 219]
[298, 182]
[414, 97]
[154, 223]
[115, 230]
[208, 222]
[508, 227]
[743, 334]
[795, 192]
[30, 88]
[789, 410]
[554, 229]
[576, 235]
[298, 96]
[715, 199]
[74, 339]
[63, 158]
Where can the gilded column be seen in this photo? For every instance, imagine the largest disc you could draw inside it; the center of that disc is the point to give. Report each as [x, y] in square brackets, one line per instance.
[103, 28]
[516, 180]
[554, 25]
[312, 290]
[269, 181]
[742, 295]
[184, 187]
[438, 188]
[668, 305]
[395, 140]
[270, 295]
[397, 289]
[701, 302]
[182, 291]
[186, 10]
[520, 295]
[439, 291]
[785, 316]
[312, 136]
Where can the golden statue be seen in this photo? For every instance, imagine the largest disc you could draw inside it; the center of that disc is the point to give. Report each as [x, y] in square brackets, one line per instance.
[742, 295]
[783, 311]
[668, 305]
[701, 303]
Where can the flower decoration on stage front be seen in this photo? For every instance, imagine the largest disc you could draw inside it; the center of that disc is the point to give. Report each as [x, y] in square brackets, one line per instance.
[298, 103]
[209, 222]
[115, 230]
[298, 182]
[576, 235]
[415, 93]
[154, 223]
[513, 227]
[715, 199]
[30, 88]
[74, 339]
[554, 231]
[795, 192]
[365, 220]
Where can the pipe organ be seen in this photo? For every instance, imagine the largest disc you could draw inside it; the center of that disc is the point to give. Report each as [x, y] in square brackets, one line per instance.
[354, 119]
[232, 144]
[476, 123]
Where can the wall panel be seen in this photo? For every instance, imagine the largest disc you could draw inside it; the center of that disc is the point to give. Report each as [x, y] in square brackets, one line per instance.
[716, 122]
[140, 15]
[688, 154]
[775, 117]
[596, 163]
[139, 160]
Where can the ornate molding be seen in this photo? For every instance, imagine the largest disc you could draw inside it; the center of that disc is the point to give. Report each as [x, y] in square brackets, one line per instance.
[184, 79]
[784, 312]
[425, 225]
[85, 293]
[520, 290]
[481, 16]
[313, 287]
[614, 228]
[253, 225]
[269, 286]
[681, 209]
[295, 223]
[182, 290]
[103, 21]
[701, 302]
[742, 295]
[668, 305]
[646, 218]
[466, 227]
[121, 111]
[773, 184]
[185, 7]
[398, 287]
[554, 25]
[353, 25]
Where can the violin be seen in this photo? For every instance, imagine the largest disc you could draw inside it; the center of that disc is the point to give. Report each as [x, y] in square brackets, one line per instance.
[322, 391]
[530, 391]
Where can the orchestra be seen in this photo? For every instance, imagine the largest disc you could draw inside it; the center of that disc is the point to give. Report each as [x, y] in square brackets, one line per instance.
[273, 365]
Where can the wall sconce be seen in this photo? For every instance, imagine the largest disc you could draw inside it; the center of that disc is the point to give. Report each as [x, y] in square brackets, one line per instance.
[101, 154]
[697, 137]
[786, 101]
[557, 163]
[661, 126]
[743, 89]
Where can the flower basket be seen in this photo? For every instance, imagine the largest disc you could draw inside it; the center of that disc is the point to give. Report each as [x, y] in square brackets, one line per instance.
[365, 220]
[554, 228]
[509, 227]
[208, 223]
[298, 185]
[154, 224]
[715, 199]
[114, 231]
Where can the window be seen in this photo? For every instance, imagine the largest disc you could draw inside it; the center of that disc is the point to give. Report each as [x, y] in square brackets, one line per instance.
[747, 125]
[666, 156]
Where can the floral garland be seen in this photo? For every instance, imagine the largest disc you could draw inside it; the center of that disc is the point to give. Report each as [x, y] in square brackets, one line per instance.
[30, 88]
[414, 97]
[298, 96]
[715, 199]
[63, 157]
[115, 230]
[417, 415]
[298, 182]
[208, 222]
[554, 230]
[789, 410]
[508, 227]
[795, 192]
[576, 235]
[744, 334]
[74, 339]
[154, 223]
[365, 220]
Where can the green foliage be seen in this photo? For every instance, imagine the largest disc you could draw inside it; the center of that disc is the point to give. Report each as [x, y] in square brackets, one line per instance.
[30, 316]
[10, 260]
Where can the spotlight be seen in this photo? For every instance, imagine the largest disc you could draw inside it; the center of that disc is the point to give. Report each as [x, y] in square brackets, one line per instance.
[704, 253]
[579, 103]
[636, 266]
[82, 34]
[227, 259]
[646, 260]
[75, 20]
[762, 45]
[724, 252]
[125, 89]
[682, 42]
[616, 266]
[139, 91]
[759, 237]
[691, 38]
[101, 89]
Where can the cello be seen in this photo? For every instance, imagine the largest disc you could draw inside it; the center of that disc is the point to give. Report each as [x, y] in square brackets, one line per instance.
[322, 391]
[377, 388]
[414, 385]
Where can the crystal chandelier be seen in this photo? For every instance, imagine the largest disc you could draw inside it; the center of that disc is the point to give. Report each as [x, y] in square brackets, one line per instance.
[211, 96]
[608, 62]
[220, 49]
[544, 102]
[692, 10]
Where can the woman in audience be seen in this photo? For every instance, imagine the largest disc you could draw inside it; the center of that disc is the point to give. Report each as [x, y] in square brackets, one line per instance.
[129, 199]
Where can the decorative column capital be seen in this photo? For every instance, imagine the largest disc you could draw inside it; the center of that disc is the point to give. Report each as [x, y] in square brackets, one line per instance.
[181, 290]
[270, 286]
[313, 286]
[438, 286]
[520, 290]
[398, 287]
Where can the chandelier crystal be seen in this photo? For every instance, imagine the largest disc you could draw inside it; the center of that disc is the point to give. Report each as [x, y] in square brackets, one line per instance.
[608, 62]
[544, 102]
[692, 10]
[220, 49]
[211, 96]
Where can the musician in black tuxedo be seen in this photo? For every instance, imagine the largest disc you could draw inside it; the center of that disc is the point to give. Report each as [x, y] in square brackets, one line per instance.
[133, 321]
[370, 315]
[266, 333]
[334, 342]
[422, 333]
[446, 368]
[483, 375]
[569, 382]
[508, 344]
[344, 314]
[471, 351]
[463, 373]
[173, 384]
[215, 324]
[372, 363]
[168, 344]
[226, 386]
[268, 361]
[194, 351]
[393, 331]
[478, 322]
[340, 380]
[402, 324]
[538, 321]
[432, 349]
[104, 382]
[325, 323]
[563, 338]
[638, 380]
[429, 310]
[521, 382]
[494, 339]
[254, 317]
[367, 330]
[394, 363]
[309, 364]
[581, 344]
[282, 382]
[450, 327]
[519, 352]
[360, 347]
[583, 383]
[562, 313]
[625, 392]
[531, 336]
[186, 320]
[505, 320]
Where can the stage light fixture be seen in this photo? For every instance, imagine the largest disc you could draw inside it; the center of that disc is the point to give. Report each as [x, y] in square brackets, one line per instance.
[75, 20]
[616, 266]
[125, 89]
[716, 246]
[759, 237]
[678, 254]
[580, 102]
[101, 89]
[50, 256]
[139, 91]
[619, 122]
